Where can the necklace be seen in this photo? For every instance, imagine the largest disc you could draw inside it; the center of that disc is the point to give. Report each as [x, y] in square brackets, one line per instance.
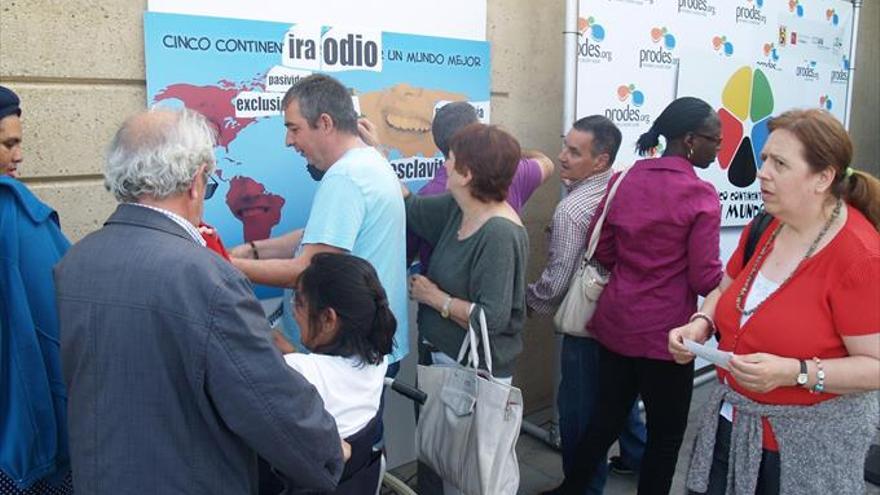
[740, 298]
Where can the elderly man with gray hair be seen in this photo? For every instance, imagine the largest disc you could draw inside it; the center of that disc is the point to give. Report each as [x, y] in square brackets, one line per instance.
[174, 385]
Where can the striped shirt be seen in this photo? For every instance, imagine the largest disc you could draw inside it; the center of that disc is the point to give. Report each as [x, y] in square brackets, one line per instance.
[179, 220]
[568, 240]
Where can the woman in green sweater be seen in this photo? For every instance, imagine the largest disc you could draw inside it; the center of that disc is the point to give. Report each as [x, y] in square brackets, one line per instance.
[480, 250]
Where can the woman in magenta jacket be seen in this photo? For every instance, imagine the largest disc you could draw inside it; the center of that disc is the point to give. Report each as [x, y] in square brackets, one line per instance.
[660, 242]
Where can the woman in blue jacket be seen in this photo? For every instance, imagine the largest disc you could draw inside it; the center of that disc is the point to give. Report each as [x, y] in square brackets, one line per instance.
[33, 423]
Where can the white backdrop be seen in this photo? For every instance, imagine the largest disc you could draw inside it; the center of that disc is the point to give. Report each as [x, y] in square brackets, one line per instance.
[749, 59]
[635, 56]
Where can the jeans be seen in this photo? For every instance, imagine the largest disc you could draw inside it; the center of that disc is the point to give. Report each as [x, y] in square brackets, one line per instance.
[576, 403]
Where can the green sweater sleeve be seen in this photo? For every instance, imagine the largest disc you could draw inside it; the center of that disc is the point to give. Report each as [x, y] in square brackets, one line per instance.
[426, 216]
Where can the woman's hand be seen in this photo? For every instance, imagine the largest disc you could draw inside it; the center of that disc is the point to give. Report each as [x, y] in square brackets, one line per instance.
[762, 372]
[422, 290]
[697, 330]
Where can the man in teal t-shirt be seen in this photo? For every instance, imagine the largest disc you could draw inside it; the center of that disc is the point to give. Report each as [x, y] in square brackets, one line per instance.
[358, 207]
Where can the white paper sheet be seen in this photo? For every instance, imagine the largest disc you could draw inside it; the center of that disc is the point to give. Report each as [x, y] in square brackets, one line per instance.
[714, 356]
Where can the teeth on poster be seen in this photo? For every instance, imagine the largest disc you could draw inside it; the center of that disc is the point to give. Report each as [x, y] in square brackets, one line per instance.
[749, 59]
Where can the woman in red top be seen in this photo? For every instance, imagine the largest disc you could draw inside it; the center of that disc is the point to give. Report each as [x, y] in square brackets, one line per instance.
[800, 317]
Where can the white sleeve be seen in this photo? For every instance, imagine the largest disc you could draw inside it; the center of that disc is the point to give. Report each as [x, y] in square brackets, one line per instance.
[305, 366]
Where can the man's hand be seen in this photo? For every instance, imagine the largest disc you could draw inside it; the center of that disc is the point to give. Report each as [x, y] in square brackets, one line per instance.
[543, 160]
[368, 133]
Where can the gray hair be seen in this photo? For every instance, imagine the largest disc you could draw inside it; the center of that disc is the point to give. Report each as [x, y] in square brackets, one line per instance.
[450, 118]
[157, 154]
[319, 94]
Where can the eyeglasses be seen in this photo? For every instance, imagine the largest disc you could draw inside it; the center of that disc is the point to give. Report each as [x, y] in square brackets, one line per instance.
[210, 186]
[716, 140]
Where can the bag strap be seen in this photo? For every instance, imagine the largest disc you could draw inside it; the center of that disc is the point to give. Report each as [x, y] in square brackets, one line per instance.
[471, 342]
[756, 227]
[597, 230]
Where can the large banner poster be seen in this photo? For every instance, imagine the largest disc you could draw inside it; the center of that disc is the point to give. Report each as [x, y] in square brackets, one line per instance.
[235, 72]
[750, 59]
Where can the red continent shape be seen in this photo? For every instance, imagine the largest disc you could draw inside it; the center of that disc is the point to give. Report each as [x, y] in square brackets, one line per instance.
[257, 209]
[732, 133]
[215, 103]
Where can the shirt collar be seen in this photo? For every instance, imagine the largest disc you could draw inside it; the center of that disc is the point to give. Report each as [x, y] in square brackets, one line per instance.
[676, 163]
[179, 220]
[601, 177]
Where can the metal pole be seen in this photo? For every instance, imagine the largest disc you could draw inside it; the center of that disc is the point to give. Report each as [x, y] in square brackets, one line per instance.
[569, 90]
[857, 7]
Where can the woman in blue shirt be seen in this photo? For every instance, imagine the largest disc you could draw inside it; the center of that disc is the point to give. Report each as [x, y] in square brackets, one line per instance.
[33, 424]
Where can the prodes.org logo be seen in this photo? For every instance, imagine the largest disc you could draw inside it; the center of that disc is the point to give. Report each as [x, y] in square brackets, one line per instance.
[807, 71]
[751, 12]
[698, 7]
[841, 75]
[589, 45]
[660, 57]
[631, 114]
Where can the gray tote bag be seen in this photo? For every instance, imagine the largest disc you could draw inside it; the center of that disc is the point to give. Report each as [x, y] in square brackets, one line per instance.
[468, 427]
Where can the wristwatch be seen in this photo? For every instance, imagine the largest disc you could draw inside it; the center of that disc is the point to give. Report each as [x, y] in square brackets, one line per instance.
[444, 312]
[802, 377]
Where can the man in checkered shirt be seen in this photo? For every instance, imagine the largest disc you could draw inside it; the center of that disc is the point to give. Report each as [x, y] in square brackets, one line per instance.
[588, 152]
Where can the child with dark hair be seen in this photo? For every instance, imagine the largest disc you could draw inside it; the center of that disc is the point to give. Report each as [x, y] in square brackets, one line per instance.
[343, 314]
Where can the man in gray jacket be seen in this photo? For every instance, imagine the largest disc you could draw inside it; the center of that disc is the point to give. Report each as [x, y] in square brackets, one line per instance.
[173, 383]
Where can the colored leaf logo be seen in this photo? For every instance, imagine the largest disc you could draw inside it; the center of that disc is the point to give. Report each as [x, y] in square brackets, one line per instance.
[747, 99]
[770, 51]
[629, 91]
[832, 16]
[720, 43]
[597, 32]
[658, 34]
